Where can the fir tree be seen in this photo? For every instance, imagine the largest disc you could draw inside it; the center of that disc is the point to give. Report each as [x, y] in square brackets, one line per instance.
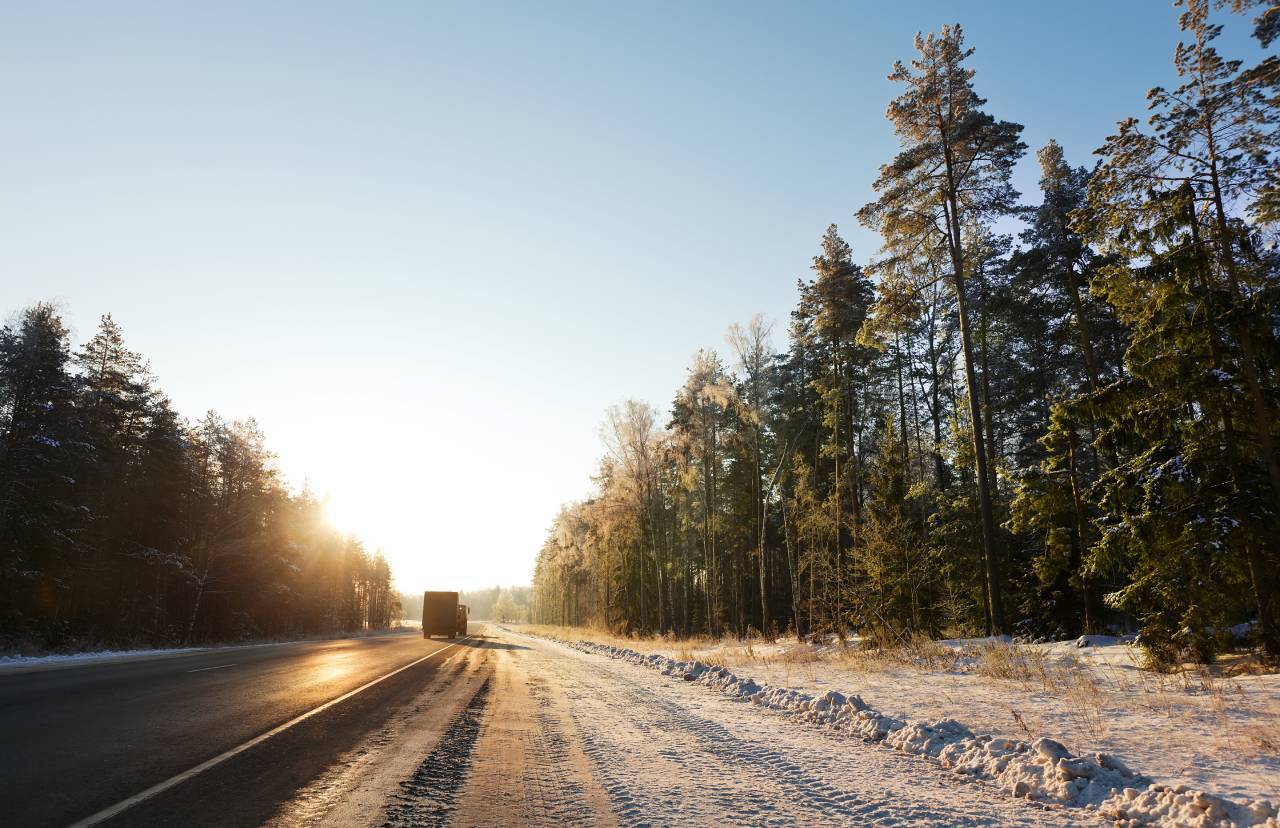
[42, 448]
[1165, 196]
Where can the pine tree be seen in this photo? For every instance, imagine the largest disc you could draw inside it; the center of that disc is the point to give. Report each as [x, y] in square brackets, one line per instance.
[116, 405]
[953, 171]
[837, 302]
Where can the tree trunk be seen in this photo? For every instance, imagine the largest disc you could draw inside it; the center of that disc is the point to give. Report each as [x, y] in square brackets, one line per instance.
[988, 419]
[902, 407]
[835, 440]
[935, 409]
[986, 513]
[1077, 502]
[791, 571]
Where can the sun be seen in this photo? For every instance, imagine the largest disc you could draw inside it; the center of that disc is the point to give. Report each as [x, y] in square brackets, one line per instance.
[347, 514]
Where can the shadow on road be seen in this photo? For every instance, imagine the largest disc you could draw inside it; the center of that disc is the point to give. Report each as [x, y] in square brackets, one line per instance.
[482, 642]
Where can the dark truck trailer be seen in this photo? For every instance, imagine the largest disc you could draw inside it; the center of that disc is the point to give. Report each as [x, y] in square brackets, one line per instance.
[443, 615]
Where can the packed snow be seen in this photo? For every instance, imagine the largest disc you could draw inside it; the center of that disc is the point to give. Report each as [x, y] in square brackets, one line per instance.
[667, 751]
[1038, 768]
[1209, 729]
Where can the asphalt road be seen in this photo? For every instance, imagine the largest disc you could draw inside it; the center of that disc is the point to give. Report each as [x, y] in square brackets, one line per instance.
[78, 738]
[502, 728]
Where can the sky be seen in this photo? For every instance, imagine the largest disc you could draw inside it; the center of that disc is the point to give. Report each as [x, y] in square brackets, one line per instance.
[427, 245]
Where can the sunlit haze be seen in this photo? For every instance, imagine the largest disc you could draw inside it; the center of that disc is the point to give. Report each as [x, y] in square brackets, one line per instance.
[427, 245]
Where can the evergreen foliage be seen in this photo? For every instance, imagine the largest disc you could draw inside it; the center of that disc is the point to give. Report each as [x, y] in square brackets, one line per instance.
[121, 524]
[1069, 432]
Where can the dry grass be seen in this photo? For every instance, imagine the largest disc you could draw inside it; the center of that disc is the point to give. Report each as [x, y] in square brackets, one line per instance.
[1035, 670]
[918, 653]
[642, 643]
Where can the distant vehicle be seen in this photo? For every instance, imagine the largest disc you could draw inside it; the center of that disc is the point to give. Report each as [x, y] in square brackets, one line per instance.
[443, 615]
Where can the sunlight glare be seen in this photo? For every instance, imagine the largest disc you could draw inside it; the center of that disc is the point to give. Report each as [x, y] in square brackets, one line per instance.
[346, 515]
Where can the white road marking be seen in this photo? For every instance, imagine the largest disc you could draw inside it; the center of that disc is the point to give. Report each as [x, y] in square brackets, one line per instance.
[202, 669]
[160, 787]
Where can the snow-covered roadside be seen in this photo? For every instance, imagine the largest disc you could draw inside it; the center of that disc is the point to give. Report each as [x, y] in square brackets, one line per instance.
[11, 661]
[1041, 770]
[668, 752]
[1215, 730]
[99, 655]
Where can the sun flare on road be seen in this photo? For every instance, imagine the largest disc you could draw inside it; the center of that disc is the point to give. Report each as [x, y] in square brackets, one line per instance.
[329, 666]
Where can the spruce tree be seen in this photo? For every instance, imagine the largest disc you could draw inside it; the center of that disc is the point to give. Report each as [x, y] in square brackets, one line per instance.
[838, 300]
[899, 569]
[1175, 195]
[41, 451]
[1072, 345]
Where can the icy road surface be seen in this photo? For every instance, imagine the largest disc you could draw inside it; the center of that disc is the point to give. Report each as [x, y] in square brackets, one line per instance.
[519, 730]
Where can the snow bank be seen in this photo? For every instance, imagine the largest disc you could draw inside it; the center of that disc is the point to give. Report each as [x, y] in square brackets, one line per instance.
[19, 660]
[97, 655]
[1042, 770]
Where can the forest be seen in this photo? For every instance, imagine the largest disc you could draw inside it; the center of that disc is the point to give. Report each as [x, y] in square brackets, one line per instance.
[1037, 416]
[123, 524]
[493, 604]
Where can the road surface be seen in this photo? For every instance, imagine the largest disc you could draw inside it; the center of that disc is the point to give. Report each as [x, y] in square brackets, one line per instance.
[499, 728]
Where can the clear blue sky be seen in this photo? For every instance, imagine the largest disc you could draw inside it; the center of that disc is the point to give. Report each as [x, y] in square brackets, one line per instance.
[426, 245]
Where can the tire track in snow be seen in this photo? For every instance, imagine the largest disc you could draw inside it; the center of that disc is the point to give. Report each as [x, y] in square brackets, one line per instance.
[711, 744]
[428, 798]
[669, 754]
[527, 767]
[550, 787]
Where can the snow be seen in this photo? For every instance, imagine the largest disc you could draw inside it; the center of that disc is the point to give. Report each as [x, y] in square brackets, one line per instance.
[1038, 768]
[667, 751]
[1175, 467]
[20, 660]
[1102, 640]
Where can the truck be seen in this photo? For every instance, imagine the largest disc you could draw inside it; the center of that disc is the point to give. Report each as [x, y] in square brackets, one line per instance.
[443, 615]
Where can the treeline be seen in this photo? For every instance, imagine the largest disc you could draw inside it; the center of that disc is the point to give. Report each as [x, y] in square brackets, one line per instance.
[1069, 430]
[121, 523]
[499, 603]
[493, 604]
